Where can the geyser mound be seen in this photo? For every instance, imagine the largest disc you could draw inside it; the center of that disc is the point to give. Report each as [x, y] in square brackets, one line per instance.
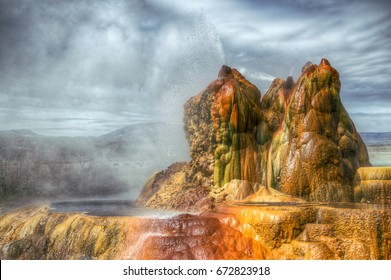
[298, 140]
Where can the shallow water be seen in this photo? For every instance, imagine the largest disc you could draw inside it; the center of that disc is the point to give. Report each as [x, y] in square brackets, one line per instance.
[109, 208]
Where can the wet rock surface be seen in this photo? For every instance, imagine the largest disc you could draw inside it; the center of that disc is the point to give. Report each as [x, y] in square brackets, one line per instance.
[373, 185]
[246, 231]
[219, 125]
[235, 113]
[316, 151]
[298, 140]
[198, 238]
[35, 233]
[317, 232]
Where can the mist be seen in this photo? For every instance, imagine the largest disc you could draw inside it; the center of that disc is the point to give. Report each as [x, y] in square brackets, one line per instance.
[103, 86]
[112, 166]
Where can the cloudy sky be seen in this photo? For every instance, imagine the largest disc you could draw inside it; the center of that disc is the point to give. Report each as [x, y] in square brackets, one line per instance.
[90, 67]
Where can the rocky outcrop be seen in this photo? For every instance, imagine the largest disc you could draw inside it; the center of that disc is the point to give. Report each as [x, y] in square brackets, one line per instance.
[173, 189]
[373, 185]
[299, 141]
[316, 151]
[220, 126]
[236, 113]
[273, 107]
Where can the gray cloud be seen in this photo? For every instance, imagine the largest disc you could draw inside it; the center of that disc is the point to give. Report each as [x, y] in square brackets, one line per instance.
[100, 65]
[80, 60]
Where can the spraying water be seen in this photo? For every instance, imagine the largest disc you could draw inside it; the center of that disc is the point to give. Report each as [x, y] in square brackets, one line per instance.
[122, 76]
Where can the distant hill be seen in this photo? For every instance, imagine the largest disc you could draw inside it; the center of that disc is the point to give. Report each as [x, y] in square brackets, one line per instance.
[135, 141]
[131, 130]
[19, 132]
[376, 138]
[122, 160]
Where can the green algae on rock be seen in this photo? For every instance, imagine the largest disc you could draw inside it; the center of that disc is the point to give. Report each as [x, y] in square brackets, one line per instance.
[299, 140]
[317, 150]
[236, 113]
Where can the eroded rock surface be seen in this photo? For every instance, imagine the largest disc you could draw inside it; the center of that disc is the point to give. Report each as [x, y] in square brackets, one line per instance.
[235, 113]
[316, 151]
[35, 233]
[286, 231]
[317, 232]
[220, 125]
[373, 185]
[299, 140]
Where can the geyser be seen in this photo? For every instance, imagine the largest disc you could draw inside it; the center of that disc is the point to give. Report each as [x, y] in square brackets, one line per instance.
[262, 175]
[298, 140]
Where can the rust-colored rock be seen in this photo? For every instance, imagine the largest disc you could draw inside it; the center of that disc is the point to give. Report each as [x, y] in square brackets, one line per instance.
[220, 125]
[201, 238]
[317, 232]
[299, 141]
[246, 231]
[236, 113]
[35, 233]
[316, 151]
[273, 107]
